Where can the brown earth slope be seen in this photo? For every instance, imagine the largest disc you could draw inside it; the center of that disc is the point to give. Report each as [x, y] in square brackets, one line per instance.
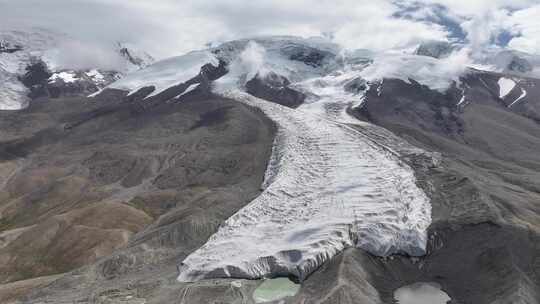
[83, 178]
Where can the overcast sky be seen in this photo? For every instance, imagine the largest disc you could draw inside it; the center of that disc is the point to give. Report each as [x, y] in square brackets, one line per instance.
[167, 27]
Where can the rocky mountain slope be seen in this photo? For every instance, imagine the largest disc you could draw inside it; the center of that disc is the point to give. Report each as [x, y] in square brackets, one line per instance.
[277, 156]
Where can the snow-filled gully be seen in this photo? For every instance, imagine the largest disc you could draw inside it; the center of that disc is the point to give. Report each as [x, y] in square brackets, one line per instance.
[328, 187]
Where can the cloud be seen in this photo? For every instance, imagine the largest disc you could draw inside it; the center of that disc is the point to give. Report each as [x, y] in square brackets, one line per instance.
[169, 27]
[432, 13]
[514, 23]
[75, 54]
[479, 7]
[438, 74]
[483, 29]
[526, 23]
[252, 60]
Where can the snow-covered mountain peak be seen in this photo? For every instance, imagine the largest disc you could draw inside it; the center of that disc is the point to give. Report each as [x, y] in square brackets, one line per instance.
[36, 62]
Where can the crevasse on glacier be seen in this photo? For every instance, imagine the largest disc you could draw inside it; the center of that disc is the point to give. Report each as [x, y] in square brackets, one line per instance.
[328, 186]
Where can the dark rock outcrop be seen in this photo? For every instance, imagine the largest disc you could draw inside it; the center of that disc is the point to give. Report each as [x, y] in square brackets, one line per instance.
[275, 88]
[35, 78]
[435, 49]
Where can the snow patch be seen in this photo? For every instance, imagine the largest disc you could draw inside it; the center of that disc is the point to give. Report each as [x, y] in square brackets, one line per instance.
[67, 77]
[461, 100]
[506, 85]
[95, 75]
[189, 89]
[95, 93]
[523, 94]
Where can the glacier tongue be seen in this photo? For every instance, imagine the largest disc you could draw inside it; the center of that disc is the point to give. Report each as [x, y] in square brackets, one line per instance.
[328, 187]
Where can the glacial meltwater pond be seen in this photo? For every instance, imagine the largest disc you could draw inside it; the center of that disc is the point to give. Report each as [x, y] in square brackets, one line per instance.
[421, 293]
[275, 289]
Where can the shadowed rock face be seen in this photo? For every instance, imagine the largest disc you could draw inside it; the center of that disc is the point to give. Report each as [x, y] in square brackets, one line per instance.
[81, 179]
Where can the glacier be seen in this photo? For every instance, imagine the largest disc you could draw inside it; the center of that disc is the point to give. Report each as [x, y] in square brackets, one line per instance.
[329, 185]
